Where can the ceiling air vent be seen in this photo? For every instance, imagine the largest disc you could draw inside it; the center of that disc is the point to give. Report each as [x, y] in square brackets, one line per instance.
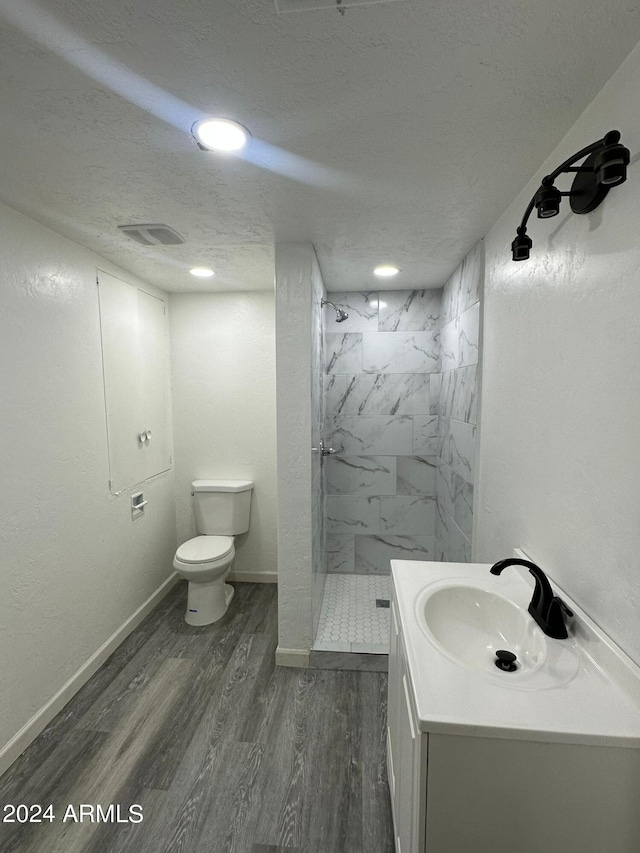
[283, 6]
[152, 235]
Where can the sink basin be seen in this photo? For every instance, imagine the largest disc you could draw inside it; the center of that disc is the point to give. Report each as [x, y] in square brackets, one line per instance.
[469, 621]
[471, 624]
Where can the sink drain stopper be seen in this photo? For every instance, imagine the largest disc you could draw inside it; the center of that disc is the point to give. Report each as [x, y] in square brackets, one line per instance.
[506, 661]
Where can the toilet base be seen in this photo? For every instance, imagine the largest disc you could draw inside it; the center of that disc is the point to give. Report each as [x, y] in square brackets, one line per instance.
[207, 602]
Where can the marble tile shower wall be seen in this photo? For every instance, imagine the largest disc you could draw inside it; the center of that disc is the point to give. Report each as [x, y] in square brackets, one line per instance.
[457, 408]
[381, 389]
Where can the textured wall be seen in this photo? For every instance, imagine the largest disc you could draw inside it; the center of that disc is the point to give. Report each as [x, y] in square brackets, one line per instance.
[457, 408]
[294, 347]
[73, 565]
[559, 454]
[223, 387]
[317, 420]
[381, 419]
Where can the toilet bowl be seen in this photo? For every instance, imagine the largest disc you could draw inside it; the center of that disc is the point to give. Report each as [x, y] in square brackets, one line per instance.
[205, 562]
[222, 510]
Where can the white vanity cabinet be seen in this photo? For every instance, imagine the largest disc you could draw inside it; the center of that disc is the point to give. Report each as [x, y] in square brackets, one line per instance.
[136, 381]
[406, 750]
[467, 776]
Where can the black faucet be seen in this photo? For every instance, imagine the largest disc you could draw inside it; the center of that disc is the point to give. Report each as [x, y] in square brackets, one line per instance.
[546, 608]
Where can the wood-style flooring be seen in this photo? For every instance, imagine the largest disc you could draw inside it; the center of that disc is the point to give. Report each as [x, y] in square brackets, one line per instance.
[222, 750]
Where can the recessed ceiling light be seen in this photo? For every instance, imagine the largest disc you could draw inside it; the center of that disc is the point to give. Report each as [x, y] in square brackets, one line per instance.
[220, 134]
[386, 271]
[202, 272]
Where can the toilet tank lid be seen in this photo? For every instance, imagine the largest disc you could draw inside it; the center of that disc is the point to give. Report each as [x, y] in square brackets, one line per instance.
[221, 485]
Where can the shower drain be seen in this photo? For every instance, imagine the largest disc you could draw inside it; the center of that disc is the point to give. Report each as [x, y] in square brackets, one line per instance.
[382, 602]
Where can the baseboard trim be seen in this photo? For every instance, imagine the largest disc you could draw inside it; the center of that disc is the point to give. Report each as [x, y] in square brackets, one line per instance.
[253, 577]
[292, 657]
[29, 732]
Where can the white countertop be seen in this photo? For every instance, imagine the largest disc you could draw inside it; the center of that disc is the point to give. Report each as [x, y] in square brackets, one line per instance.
[597, 701]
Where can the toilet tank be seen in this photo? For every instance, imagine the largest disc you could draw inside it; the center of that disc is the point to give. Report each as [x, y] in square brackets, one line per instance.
[222, 507]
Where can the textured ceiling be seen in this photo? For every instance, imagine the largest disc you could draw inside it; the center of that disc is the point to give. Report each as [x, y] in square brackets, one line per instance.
[395, 132]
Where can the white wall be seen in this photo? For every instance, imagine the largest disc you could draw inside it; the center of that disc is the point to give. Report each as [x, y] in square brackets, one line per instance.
[559, 450]
[318, 293]
[73, 565]
[223, 388]
[294, 349]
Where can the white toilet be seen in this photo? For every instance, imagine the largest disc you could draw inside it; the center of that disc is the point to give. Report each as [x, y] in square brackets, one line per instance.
[222, 511]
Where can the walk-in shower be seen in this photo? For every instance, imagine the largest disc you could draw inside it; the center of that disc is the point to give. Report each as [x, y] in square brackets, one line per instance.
[398, 409]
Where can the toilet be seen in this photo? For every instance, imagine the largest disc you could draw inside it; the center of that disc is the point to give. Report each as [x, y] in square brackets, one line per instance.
[222, 511]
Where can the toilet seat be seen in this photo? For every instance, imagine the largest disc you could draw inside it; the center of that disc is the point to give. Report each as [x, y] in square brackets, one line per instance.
[204, 549]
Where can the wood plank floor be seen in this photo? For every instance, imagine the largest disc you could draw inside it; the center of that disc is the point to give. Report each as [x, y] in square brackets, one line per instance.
[222, 750]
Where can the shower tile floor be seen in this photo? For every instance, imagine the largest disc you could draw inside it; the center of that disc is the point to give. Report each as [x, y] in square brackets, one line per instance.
[351, 618]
